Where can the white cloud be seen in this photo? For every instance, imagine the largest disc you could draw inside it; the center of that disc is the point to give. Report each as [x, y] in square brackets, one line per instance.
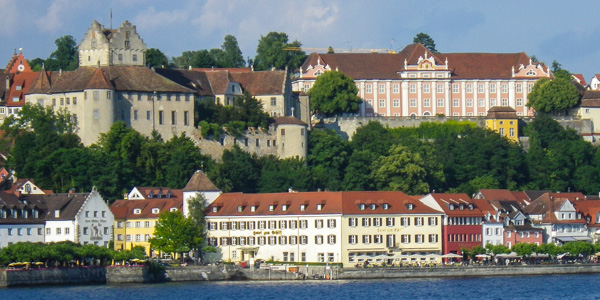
[55, 15]
[152, 19]
[10, 17]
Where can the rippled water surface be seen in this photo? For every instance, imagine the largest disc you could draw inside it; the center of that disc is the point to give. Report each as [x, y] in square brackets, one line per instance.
[523, 287]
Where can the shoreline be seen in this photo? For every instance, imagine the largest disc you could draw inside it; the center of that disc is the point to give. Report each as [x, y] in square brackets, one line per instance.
[139, 274]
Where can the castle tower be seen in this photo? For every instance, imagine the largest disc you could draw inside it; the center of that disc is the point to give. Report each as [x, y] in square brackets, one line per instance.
[291, 137]
[112, 47]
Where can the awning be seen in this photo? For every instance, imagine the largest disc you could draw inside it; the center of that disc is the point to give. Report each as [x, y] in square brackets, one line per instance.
[583, 238]
[565, 239]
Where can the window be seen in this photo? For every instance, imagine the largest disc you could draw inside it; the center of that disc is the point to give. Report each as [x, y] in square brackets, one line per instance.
[303, 224]
[318, 224]
[366, 222]
[303, 240]
[405, 238]
[381, 102]
[366, 239]
[331, 223]
[492, 87]
[440, 102]
[148, 115]
[519, 88]
[135, 114]
[108, 94]
[273, 101]
[390, 221]
[96, 114]
[493, 102]
[480, 88]
[440, 88]
[378, 239]
[469, 88]
[293, 240]
[396, 102]
[529, 87]
[426, 102]
[352, 222]
[381, 89]
[405, 221]
[455, 102]
[413, 102]
[419, 221]
[412, 88]
[433, 238]
[331, 239]
[272, 224]
[283, 240]
[85, 230]
[352, 239]
[504, 102]
[511, 132]
[377, 222]
[368, 89]
[481, 102]
[426, 88]
[505, 88]
[419, 238]
[134, 57]
[161, 117]
[120, 57]
[469, 102]
[455, 88]
[396, 88]
[318, 239]
[96, 95]
[519, 102]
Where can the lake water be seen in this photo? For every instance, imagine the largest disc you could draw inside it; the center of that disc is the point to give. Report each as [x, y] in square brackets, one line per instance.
[523, 287]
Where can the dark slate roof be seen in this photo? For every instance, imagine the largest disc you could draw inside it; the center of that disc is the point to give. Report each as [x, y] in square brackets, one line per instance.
[200, 183]
[69, 205]
[27, 202]
[288, 120]
[502, 112]
[190, 79]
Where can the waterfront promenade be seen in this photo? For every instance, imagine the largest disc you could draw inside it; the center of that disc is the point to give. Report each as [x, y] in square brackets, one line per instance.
[139, 274]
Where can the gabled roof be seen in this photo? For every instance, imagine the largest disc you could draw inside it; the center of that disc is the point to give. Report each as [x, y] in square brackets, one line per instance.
[502, 112]
[549, 203]
[68, 205]
[28, 202]
[496, 194]
[158, 193]
[190, 79]
[287, 120]
[337, 203]
[200, 183]
[128, 78]
[148, 209]
[219, 81]
[261, 82]
[589, 208]
[590, 98]
[451, 204]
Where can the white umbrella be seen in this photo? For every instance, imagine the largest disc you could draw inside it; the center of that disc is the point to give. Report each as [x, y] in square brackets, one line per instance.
[451, 255]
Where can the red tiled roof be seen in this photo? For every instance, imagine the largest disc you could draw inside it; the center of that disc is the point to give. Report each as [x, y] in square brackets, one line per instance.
[200, 182]
[261, 82]
[124, 209]
[497, 194]
[446, 199]
[347, 203]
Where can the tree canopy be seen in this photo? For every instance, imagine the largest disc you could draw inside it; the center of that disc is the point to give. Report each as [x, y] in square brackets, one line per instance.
[156, 58]
[275, 51]
[334, 93]
[65, 56]
[553, 96]
[173, 233]
[425, 40]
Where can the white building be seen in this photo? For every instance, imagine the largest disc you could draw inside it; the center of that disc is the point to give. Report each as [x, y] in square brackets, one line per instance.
[83, 218]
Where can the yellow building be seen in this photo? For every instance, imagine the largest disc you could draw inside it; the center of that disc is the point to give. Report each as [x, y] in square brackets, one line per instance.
[135, 219]
[504, 121]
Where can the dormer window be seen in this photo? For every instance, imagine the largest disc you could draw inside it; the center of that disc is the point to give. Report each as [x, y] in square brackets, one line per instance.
[169, 194]
[173, 209]
[302, 207]
[252, 208]
[36, 213]
[461, 207]
[530, 73]
[319, 206]
[137, 211]
[215, 209]
[588, 219]
[284, 207]
[385, 206]
[579, 216]
[150, 195]
[451, 206]
[271, 207]
[240, 208]
[361, 206]
[470, 206]
[56, 213]
[410, 206]
[155, 211]
[373, 206]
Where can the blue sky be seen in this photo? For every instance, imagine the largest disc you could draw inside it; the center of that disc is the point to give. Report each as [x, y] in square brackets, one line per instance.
[566, 31]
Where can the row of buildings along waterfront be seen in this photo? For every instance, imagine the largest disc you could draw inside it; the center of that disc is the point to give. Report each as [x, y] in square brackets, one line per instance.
[113, 84]
[337, 227]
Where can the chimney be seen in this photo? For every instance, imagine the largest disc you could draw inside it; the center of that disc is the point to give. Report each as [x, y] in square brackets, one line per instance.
[18, 193]
[71, 191]
[7, 82]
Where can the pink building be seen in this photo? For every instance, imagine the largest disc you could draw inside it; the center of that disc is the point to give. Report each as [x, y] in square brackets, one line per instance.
[416, 82]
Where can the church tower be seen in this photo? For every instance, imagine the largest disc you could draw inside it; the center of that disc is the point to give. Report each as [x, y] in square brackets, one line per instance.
[112, 47]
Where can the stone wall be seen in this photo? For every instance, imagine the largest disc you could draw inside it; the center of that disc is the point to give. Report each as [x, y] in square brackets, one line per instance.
[83, 275]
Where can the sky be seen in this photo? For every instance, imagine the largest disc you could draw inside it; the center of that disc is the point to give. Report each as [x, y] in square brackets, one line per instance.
[565, 31]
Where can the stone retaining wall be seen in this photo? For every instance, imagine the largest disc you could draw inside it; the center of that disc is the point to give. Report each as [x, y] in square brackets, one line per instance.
[117, 275]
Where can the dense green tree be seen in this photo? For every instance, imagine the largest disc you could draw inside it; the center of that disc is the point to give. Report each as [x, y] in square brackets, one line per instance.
[173, 233]
[36, 64]
[65, 56]
[553, 96]
[334, 93]
[182, 159]
[231, 54]
[278, 175]
[372, 137]
[578, 248]
[196, 215]
[551, 249]
[497, 249]
[237, 172]
[272, 52]
[357, 175]
[525, 249]
[327, 156]
[156, 58]
[425, 40]
[401, 170]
